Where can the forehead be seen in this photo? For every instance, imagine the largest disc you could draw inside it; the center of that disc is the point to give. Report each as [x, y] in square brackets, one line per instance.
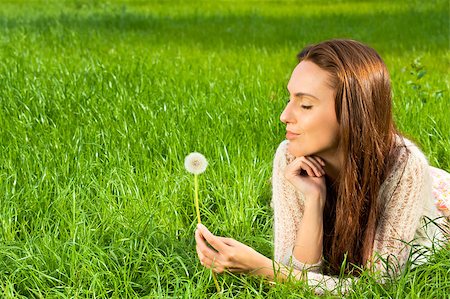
[309, 78]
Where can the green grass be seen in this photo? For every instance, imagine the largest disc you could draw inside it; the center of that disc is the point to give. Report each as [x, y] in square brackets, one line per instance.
[101, 101]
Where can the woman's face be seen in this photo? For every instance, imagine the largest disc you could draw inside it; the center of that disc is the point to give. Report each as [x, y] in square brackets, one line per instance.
[310, 117]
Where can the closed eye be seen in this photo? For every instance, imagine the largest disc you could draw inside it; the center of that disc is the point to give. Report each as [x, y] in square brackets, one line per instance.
[306, 107]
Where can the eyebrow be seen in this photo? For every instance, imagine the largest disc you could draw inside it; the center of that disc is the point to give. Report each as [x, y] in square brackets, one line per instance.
[302, 94]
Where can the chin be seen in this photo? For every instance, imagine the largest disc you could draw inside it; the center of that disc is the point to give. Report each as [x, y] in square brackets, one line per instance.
[295, 151]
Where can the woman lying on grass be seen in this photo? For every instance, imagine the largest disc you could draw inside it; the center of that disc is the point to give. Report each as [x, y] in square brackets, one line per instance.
[346, 184]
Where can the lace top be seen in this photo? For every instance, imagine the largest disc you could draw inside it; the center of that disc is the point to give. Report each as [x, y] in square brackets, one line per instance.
[407, 202]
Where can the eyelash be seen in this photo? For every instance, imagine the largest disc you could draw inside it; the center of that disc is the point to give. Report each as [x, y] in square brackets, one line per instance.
[306, 107]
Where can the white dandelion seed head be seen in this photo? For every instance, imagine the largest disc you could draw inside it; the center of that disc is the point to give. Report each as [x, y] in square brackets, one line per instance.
[195, 163]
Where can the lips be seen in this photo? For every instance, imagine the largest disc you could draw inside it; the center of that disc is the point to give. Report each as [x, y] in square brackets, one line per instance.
[291, 135]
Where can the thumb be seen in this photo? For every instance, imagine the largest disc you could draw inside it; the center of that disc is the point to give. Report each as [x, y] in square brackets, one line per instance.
[213, 240]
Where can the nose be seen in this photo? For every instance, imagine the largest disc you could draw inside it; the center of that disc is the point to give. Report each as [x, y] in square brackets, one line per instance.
[286, 115]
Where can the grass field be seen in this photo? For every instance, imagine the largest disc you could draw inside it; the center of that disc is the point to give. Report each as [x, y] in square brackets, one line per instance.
[101, 101]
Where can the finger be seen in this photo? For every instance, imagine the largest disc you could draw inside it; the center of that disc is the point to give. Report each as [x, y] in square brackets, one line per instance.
[204, 260]
[200, 255]
[317, 166]
[234, 270]
[209, 263]
[322, 162]
[306, 167]
[214, 241]
[293, 169]
[218, 268]
[220, 259]
[313, 167]
[228, 241]
[201, 245]
[319, 160]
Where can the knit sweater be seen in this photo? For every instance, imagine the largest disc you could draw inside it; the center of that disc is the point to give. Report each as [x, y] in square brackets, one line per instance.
[406, 199]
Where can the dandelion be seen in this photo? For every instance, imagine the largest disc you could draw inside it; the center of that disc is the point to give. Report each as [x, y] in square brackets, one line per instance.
[196, 164]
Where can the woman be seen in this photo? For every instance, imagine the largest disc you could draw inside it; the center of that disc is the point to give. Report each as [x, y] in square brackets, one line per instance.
[346, 184]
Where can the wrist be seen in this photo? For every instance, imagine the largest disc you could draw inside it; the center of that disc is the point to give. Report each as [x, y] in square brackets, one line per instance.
[261, 266]
[315, 204]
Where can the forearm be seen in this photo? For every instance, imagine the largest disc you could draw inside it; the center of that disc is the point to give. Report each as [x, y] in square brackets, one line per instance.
[320, 283]
[309, 239]
[274, 271]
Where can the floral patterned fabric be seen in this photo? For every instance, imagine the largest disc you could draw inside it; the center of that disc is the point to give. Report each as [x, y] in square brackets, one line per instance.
[441, 189]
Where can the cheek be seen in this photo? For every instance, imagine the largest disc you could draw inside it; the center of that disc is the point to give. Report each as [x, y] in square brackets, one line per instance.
[326, 136]
[329, 132]
[320, 134]
[326, 126]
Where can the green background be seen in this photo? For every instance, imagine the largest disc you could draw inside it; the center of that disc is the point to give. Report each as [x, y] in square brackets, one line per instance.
[100, 101]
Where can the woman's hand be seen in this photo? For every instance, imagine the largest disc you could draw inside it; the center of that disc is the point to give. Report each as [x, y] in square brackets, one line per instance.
[226, 254]
[307, 175]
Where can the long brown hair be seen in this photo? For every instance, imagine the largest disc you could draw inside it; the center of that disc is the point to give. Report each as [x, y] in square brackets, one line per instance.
[366, 136]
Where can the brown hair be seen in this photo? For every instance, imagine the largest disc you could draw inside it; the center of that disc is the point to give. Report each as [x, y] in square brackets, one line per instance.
[366, 136]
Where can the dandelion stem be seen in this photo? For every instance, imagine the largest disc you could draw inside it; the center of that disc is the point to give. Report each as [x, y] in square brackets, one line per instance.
[196, 198]
[197, 208]
[216, 282]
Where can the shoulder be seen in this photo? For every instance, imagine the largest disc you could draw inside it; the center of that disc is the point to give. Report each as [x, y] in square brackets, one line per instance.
[282, 147]
[416, 155]
[408, 158]
[408, 173]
